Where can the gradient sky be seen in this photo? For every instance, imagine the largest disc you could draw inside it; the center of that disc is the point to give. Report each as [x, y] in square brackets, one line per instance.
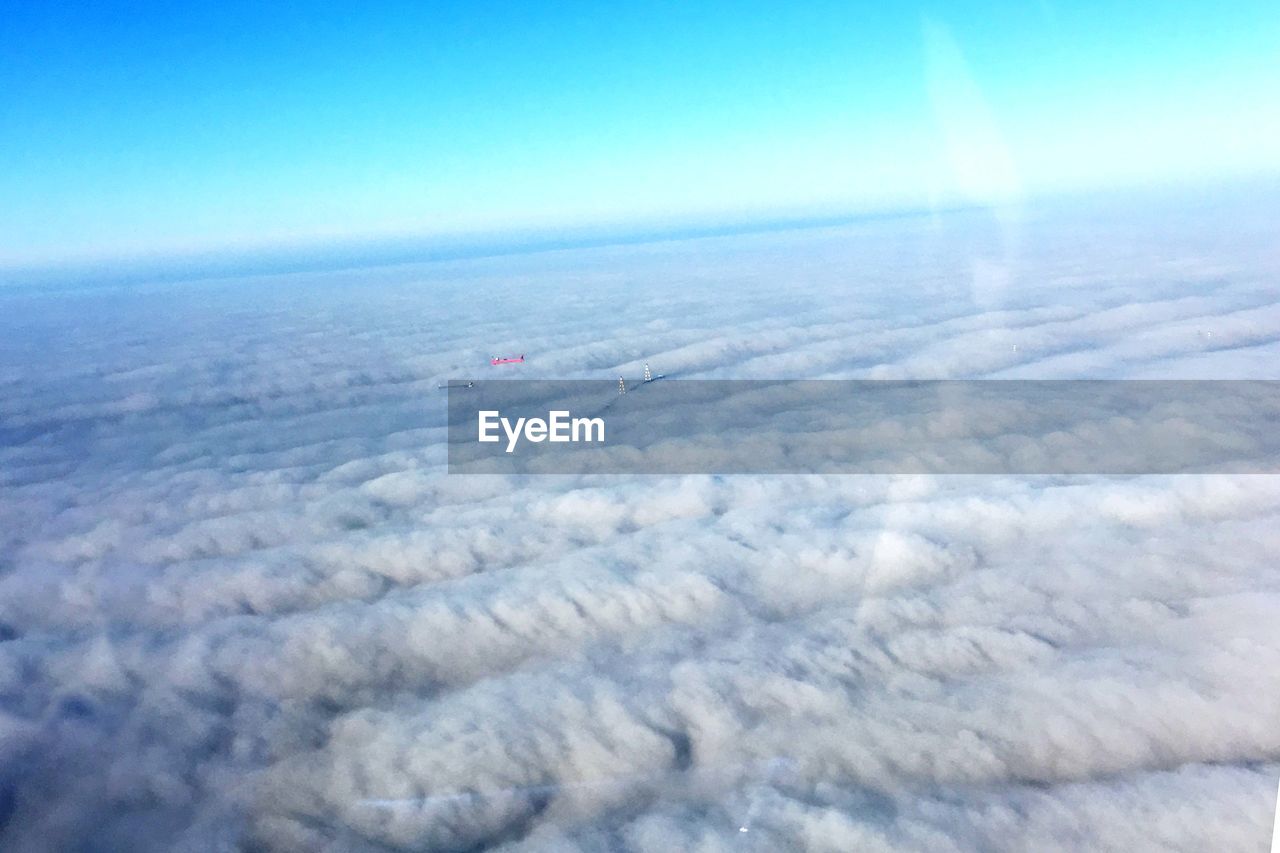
[151, 128]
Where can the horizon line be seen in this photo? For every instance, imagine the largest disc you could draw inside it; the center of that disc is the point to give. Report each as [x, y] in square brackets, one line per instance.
[315, 254]
[376, 252]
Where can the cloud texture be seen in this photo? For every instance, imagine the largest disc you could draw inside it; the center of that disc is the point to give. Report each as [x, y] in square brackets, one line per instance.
[242, 606]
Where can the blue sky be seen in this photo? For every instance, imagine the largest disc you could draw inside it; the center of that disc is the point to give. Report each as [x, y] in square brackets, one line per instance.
[155, 128]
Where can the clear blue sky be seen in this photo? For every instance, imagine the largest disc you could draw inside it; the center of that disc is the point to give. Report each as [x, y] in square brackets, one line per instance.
[150, 128]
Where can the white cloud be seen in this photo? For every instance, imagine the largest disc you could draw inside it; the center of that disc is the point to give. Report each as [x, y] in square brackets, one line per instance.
[240, 601]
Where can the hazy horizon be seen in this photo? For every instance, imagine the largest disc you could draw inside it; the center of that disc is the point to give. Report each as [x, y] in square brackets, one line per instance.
[402, 250]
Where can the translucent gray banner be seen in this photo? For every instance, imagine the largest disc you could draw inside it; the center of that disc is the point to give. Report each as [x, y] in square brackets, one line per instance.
[864, 426]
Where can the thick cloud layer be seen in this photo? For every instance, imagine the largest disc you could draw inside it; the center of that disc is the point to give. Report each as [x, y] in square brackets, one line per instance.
[243, 607]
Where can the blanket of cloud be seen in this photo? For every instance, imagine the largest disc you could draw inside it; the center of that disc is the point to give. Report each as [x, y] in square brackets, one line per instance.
[243, 607]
